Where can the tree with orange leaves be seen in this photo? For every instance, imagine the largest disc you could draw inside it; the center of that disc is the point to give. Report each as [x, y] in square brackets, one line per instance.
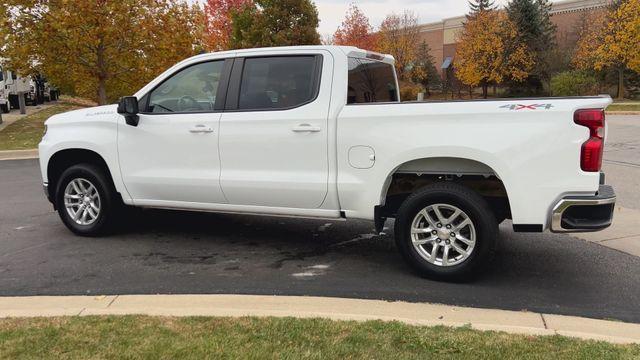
[488, 52]
[219, 22]
[398, 36]
[98, 49]
[612, 42]
[355, 30]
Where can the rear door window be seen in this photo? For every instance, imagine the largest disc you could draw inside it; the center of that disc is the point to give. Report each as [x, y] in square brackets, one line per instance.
[278, 82]
[371, 81]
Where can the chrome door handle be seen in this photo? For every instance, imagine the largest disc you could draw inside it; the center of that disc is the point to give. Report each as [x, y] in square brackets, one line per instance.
[201, 129]
[306, 128]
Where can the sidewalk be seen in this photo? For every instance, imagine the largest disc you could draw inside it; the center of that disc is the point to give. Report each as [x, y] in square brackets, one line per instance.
[517, 322]
[623, 235]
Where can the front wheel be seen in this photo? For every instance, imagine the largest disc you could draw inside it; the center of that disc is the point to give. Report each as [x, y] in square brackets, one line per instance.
[446, 232]
[4, 108]
[86, 200]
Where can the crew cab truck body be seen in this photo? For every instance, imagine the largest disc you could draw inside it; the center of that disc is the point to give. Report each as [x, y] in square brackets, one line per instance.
[319, 132]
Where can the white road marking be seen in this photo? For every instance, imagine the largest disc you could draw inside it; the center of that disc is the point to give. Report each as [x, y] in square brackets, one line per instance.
[311, 271]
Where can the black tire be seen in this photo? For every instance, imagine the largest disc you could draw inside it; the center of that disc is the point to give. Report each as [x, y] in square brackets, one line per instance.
[109, 204]
[4, 108]
[478, 211]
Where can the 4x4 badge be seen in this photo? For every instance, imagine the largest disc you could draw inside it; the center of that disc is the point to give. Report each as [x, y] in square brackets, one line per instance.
[527, 107]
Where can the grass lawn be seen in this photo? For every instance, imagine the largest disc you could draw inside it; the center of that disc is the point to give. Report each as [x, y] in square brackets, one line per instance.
[624, 107]
[27, 132]
[140, 337]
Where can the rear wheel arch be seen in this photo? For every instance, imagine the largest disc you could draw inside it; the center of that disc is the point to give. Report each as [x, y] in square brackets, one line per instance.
[412, 176]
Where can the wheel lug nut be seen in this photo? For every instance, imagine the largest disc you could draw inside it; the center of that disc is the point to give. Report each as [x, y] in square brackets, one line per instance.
[448, 242]
[434, 232]
[439, 225]
[448, 226]
[453, 234]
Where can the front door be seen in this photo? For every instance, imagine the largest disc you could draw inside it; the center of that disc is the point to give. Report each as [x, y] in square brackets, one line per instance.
[273, 134]
[172, 155]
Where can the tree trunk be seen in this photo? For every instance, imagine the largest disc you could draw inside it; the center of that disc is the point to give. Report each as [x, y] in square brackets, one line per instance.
[485, 90]
[621, 83]
[102, 91]
[102, 73]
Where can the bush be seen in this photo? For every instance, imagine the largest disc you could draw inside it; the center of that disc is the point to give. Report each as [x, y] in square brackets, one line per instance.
[573, 83]
[409, 91]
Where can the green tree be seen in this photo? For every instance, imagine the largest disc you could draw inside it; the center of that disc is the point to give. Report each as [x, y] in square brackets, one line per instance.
[534, 27]
[477, 6]
[275, 23]
[424, 71]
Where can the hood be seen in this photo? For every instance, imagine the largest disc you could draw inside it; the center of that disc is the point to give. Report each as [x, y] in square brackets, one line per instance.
[97, 113]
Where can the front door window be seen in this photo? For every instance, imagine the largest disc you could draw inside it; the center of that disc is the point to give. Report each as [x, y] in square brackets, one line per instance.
[193, 89]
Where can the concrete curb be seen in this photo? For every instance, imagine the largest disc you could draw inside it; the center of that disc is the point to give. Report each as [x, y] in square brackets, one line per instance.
[18, 154]
[517, 322]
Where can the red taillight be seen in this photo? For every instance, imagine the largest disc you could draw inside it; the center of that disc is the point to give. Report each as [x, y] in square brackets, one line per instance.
[591, 155]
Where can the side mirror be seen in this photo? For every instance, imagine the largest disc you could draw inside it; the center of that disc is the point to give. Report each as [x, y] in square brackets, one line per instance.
[128, 106]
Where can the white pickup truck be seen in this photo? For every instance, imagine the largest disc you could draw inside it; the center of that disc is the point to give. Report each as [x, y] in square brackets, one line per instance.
[319, 132]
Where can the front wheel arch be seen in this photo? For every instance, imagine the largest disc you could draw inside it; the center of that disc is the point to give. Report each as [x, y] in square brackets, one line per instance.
[64, 159]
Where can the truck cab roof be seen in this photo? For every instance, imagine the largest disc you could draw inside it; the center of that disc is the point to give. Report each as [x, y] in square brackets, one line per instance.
[351, 51]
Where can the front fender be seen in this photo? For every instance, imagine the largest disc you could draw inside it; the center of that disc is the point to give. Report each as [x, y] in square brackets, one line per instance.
[99, 137]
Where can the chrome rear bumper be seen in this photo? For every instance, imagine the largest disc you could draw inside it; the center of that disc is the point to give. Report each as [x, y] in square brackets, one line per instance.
[584, 214]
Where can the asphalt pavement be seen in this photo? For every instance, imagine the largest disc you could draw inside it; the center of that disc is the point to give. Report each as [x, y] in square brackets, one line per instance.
[170, 252]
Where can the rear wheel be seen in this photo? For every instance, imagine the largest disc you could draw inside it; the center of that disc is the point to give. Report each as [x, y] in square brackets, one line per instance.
[446, 232]
[86, 200]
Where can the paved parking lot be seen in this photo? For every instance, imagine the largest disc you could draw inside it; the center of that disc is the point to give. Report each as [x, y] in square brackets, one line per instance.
[191, 253]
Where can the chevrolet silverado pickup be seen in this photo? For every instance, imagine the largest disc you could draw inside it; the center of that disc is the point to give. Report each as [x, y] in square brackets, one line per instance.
[320, 132]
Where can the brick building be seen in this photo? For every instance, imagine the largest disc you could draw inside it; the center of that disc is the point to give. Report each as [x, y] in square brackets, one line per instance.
[566, 15]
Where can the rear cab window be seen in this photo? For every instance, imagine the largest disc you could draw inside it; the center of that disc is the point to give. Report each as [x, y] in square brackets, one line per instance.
[371, 81]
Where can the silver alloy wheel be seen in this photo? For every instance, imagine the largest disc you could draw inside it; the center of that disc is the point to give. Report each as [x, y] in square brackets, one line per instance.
[443, 234]
[82, 201]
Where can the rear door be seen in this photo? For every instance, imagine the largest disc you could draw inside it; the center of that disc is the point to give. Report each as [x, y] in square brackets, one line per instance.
[273, 133]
